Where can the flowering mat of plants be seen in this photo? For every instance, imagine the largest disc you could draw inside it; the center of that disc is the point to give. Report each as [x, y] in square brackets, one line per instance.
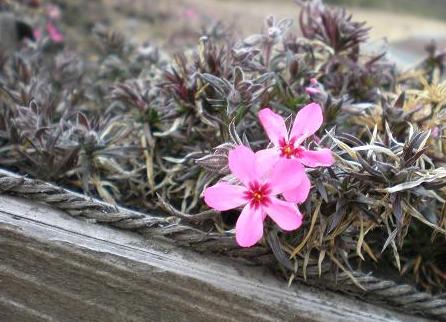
[301, 153]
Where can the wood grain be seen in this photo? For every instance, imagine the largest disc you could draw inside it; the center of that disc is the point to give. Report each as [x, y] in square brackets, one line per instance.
[56, 268]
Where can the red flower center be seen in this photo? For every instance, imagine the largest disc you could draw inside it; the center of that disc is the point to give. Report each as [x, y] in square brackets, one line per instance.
[258, 194]
[288, 149]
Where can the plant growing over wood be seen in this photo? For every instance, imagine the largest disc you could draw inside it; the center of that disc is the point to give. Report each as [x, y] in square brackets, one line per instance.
[148, 129]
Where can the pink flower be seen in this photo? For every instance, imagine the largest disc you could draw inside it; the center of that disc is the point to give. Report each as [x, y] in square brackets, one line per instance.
[54, 33]
[289, 146]
[257, 192]
[312, 90]
[53, 11]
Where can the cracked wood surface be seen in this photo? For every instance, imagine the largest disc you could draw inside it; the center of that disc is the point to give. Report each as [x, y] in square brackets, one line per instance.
[57, 268]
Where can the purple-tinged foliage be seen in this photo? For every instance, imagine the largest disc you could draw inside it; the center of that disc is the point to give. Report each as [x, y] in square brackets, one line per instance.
[128, 123]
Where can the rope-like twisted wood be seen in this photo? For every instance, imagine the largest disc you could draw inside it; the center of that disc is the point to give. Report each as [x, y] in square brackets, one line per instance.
[400, 296]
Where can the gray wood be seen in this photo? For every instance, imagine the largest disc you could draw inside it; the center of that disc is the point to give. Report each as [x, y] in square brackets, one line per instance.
[57, 268]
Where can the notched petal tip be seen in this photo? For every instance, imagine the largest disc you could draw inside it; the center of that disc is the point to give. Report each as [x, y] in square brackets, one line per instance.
[274, 125]
[308, 120]
[317, 158]
[242, 163]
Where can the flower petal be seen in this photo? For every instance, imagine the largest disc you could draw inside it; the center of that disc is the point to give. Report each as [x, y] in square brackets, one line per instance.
[242, 163]
[312, 90]
[54, 33]
[265, 160]
[300, 193]
[274, 125]
[286, 175]
[249, 226]
[224, 196]
[319, 158]
[285, 214]
[308, 120]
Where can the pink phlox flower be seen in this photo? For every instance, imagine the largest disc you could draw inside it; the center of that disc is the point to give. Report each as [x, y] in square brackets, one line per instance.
[54, 33]
[314, 88]
[53, 11]
[289, 146]
[258, 194]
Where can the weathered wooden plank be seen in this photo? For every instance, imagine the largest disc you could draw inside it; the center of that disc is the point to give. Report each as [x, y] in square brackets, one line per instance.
[56, 268]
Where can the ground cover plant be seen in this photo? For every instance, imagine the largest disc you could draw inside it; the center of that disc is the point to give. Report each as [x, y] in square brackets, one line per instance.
[293, 141]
